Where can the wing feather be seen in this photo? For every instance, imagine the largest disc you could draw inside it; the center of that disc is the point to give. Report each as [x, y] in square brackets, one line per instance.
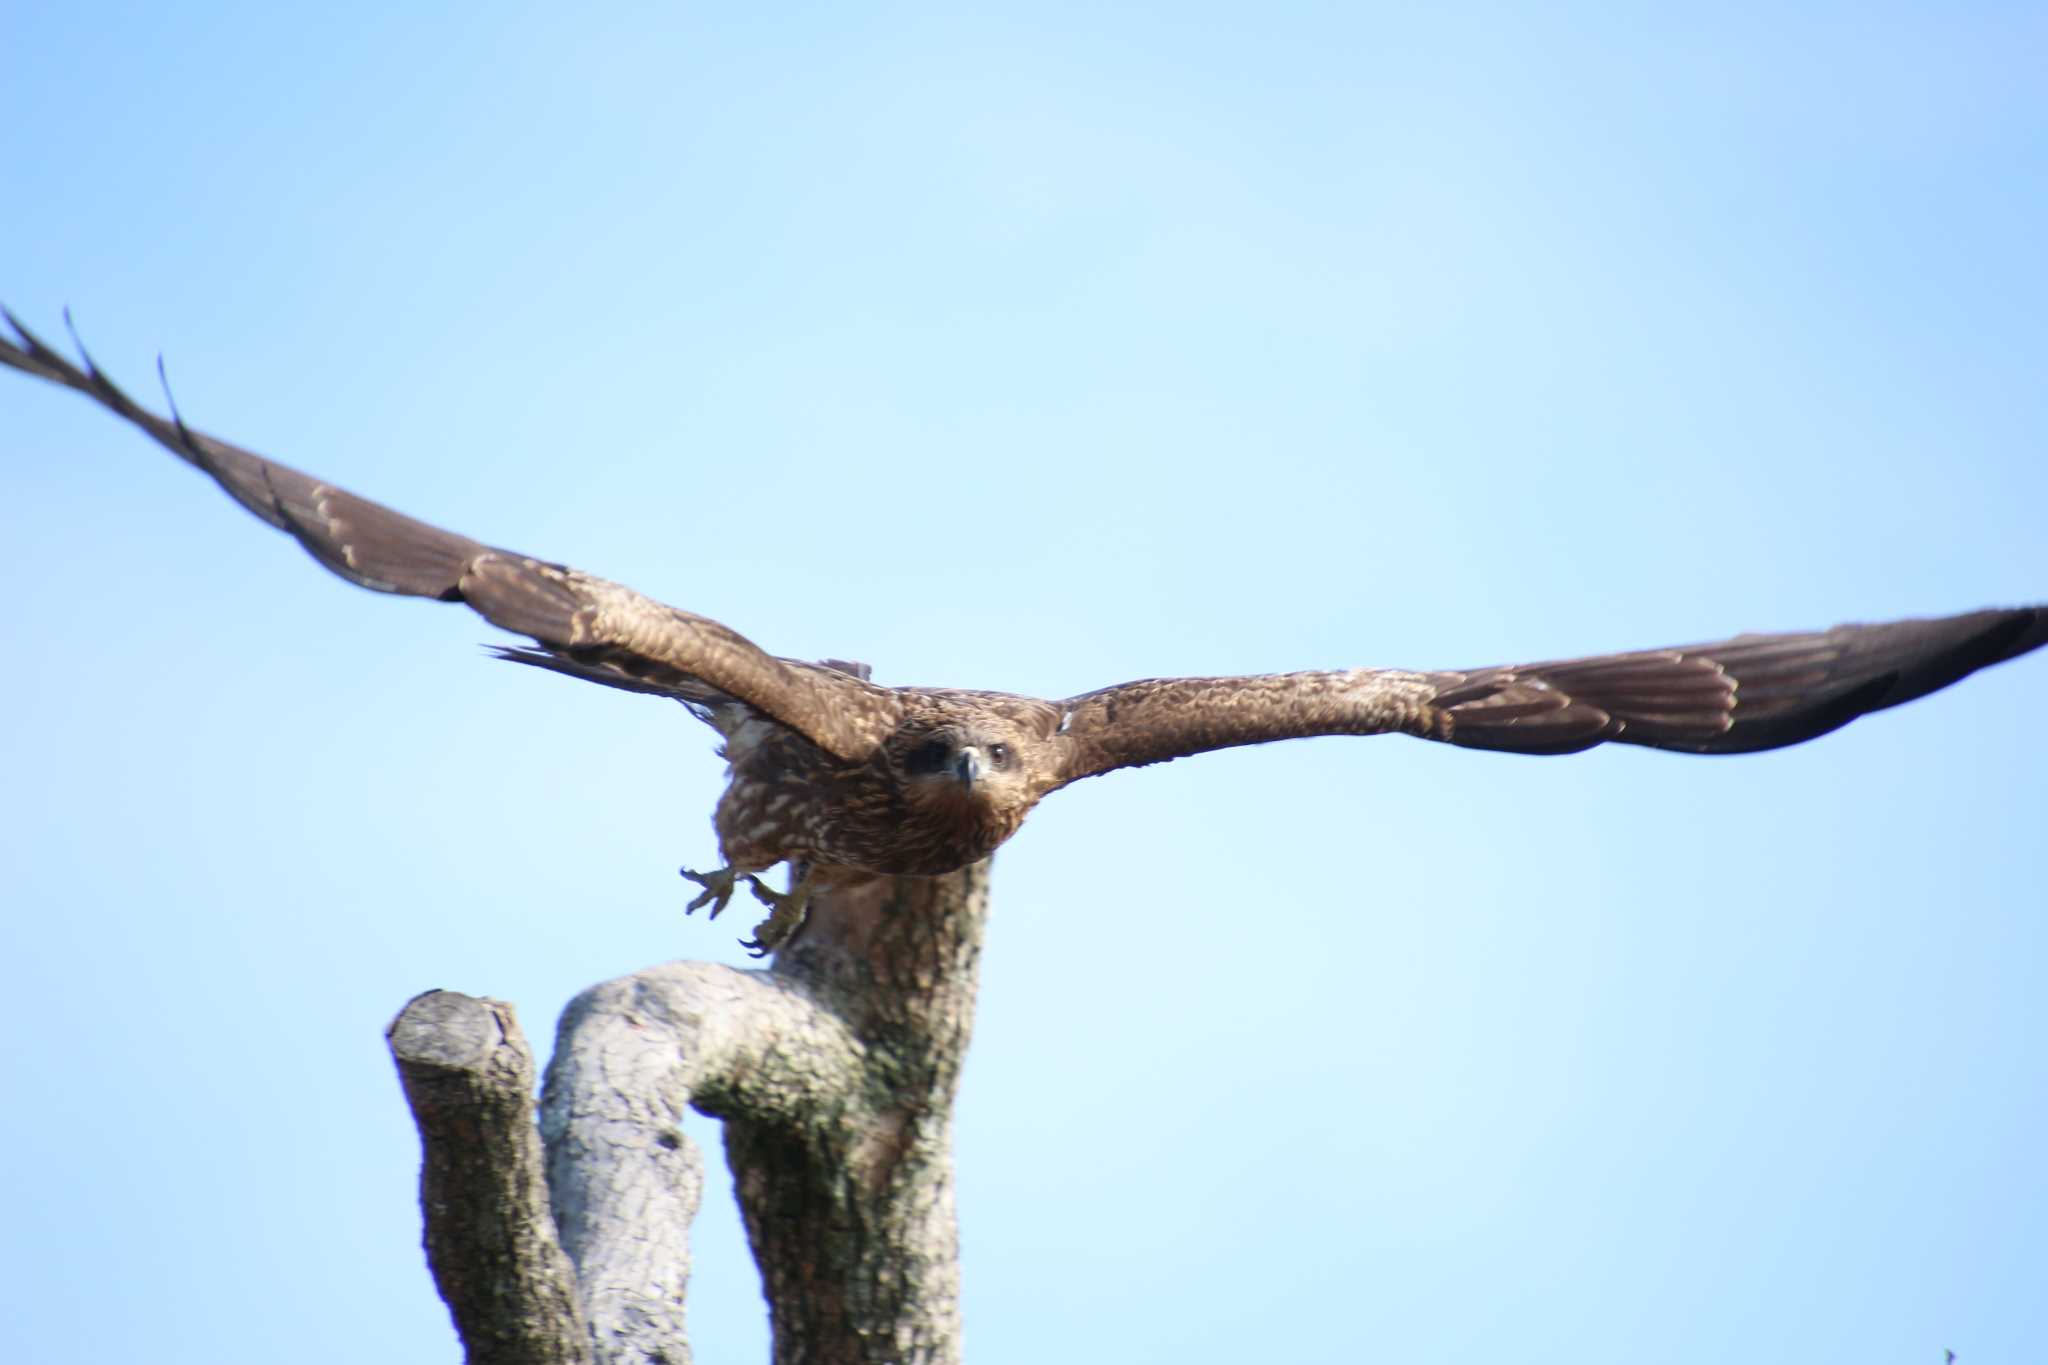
[1156, 719]
[599, 630]
[1735, 696]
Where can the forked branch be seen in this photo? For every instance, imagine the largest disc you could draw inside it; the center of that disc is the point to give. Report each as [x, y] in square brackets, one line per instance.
[834, 1071]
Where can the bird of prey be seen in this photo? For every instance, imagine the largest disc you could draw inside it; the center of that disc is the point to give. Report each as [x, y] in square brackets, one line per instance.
[843, 778]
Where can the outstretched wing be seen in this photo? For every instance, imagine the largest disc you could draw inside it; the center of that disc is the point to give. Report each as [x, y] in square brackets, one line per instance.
[587, 627]
[1751, 692]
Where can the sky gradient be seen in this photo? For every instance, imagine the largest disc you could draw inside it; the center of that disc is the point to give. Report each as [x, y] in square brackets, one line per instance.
[1041, 348]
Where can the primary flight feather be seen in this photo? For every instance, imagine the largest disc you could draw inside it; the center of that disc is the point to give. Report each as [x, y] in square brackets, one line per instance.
[844, 778]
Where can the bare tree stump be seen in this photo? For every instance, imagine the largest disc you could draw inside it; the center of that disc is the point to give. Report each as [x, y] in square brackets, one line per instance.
[490, 1239]
[834, 1071]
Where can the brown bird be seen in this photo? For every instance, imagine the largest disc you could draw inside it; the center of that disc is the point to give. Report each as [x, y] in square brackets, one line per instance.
[843, 778]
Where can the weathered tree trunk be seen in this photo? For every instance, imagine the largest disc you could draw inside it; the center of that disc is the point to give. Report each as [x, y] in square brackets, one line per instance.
[834, 1070]
[468, 1075]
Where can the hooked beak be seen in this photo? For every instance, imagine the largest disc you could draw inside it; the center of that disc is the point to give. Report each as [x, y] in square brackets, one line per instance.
[968, 767]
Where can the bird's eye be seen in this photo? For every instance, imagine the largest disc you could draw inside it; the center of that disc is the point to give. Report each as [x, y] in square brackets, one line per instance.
[928, 757]
[999, 754]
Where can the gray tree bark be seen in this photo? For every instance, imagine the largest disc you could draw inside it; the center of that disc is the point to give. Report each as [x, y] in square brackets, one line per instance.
[834, 1071]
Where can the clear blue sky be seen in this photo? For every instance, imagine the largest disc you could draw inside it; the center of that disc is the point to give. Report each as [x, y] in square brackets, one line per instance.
[1039, 347]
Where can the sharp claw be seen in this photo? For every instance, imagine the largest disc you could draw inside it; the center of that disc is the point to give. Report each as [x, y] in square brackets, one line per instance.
[786, 908]
[717, 890]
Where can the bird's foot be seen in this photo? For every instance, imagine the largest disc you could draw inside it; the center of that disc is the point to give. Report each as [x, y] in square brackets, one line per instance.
[786, 918]
[719, 884]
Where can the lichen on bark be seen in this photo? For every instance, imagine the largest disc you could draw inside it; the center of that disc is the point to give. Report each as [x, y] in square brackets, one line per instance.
[834, 1072]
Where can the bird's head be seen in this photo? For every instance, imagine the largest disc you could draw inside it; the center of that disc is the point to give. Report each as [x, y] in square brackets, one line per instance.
[978, 765]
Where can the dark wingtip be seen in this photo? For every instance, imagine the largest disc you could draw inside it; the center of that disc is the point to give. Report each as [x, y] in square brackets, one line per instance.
[52, 365]
[2029, 632]
[163, 379]
[79, 344]
[106, 388]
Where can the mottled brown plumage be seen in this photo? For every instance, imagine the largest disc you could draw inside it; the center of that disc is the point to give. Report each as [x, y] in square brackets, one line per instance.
[843, 778]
